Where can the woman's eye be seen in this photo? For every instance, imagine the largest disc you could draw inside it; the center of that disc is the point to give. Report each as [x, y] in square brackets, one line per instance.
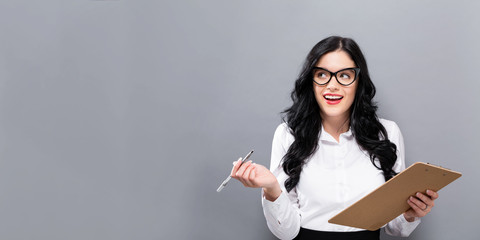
[321, 75]
[345, 76]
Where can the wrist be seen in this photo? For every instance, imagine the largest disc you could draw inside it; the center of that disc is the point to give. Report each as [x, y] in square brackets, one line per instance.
[408, 218]
[271, 193]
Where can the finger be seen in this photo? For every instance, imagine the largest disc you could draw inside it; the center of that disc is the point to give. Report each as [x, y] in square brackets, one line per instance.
[241, 170]
[252, 174]
[432, 194]
[246, 175]
[242, 181]
[426, 199]
[236, 165]
[419, 212]
[421, 205]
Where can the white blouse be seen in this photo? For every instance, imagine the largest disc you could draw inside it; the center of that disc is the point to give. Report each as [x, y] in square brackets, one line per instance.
[335, 176]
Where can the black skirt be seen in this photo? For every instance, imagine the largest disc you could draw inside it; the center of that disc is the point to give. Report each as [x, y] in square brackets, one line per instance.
[307, 234]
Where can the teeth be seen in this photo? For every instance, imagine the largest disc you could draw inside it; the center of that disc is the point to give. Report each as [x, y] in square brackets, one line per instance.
[333, 97]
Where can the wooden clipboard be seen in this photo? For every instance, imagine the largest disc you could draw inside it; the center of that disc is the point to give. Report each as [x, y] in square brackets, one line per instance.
[390, 200]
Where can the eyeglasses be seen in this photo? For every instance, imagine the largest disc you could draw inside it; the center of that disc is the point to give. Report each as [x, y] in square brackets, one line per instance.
[345, 76]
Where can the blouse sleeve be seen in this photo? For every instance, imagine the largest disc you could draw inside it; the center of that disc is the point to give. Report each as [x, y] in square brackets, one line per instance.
[399, 226]
[282, 215]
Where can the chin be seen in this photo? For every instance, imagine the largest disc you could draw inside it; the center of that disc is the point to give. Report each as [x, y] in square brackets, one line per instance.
[334, 112]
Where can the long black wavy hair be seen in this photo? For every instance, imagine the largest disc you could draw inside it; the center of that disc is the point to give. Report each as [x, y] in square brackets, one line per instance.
[304, 120]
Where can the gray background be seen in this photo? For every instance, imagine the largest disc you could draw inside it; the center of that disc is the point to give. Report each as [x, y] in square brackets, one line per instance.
[119, 119]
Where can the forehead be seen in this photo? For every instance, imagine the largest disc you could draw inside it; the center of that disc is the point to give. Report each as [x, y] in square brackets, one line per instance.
[334, 61]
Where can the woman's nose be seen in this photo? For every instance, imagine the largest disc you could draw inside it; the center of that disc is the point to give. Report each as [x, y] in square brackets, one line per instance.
[333, 84]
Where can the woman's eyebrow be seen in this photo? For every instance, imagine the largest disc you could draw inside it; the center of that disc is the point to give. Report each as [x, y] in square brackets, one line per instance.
[337, 70]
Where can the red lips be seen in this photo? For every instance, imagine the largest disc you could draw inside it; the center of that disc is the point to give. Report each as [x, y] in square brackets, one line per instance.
[332, 101]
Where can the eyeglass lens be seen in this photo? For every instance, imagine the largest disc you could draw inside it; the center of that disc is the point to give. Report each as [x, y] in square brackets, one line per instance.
[345, 77]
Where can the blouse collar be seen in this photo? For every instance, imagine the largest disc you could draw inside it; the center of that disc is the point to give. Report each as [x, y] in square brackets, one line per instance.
[325, 136]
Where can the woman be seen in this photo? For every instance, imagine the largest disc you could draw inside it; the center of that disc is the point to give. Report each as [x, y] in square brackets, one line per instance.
[331, 150]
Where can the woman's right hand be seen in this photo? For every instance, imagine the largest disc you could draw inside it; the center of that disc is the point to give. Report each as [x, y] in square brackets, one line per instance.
[256, 176]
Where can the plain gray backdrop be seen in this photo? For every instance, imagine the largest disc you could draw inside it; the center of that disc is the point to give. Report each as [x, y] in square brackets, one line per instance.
[119, 119]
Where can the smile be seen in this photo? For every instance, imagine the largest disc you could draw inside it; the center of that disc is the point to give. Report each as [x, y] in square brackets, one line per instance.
[333, 99]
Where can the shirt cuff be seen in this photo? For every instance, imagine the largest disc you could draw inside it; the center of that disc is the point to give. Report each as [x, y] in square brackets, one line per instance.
[275, 205]
[401, 227]
[277, 209]
[403, 220]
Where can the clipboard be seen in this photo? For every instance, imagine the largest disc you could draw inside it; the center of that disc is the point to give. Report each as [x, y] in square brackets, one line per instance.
[390, 199]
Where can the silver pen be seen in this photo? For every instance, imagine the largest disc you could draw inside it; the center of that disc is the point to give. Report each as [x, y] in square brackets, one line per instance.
[224, 183]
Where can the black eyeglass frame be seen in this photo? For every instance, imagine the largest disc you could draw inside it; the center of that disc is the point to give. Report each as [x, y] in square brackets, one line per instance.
[357, 71]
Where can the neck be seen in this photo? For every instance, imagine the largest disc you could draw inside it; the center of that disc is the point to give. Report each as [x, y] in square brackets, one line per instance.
[336, 125]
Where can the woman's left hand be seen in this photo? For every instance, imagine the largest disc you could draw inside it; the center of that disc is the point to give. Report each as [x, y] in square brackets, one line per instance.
[420, 204]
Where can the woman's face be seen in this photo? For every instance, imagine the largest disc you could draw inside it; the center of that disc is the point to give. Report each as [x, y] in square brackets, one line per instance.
[332, 108]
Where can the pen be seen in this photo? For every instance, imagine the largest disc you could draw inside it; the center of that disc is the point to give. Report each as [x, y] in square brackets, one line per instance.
[224, 183]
